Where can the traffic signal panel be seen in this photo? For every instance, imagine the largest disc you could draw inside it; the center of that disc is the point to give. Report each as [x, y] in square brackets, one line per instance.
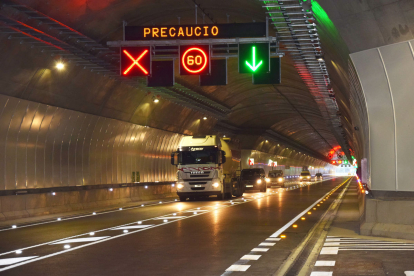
[195, 60]
[135, 61]
[254, 58]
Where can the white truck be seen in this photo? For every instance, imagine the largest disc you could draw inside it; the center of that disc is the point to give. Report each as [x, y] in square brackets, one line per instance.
[205, 167]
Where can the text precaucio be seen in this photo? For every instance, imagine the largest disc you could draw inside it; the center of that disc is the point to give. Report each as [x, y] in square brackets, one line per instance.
[181, 32]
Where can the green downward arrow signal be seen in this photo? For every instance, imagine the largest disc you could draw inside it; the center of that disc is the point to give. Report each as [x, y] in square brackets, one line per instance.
[254, 66]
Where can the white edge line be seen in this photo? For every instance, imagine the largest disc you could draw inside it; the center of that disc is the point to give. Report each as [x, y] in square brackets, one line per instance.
[286, 226]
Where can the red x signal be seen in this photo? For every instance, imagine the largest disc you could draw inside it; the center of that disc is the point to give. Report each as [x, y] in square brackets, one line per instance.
[135, 62]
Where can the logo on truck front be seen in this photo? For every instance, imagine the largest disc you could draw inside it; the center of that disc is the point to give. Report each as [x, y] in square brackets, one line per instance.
[189, 169]
[195, 149]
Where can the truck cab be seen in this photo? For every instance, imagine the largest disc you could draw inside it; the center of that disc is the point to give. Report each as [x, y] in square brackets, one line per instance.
[203, 168]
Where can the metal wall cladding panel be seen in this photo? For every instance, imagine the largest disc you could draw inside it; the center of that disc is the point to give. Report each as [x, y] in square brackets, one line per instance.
[58, 140]
[72, 149]
[103, 148]
[116, 153]
[134, 151]
[141, 154]
[399, 64]
[22, 144]
[372, 74]
[49, 147]
[31, 145]
[64, 148]
[87, 174]
[5, 116]
[95, 156]
[43, 146]
[11, 143]
[129, 153]
[80, 140]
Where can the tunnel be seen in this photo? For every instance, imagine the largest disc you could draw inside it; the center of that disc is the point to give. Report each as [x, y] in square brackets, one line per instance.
[81, 135]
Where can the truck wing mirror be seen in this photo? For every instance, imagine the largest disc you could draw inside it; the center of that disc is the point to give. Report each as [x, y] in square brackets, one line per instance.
[175, 158]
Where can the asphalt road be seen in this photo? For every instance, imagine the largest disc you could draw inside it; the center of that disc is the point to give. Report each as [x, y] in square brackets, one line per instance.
[174, 238]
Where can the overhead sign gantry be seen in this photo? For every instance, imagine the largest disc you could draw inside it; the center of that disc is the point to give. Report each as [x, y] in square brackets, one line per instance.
[201, 50]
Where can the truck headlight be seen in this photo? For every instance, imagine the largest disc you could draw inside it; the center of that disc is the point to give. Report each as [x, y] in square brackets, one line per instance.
[308, 177]
[280, 179]
[216, 185]
[300, 177]
[259, 181]
[180, 186]
[267, 180]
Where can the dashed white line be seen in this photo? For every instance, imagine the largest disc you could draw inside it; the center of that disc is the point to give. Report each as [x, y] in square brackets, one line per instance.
[238, 268]
[329, 250]
[267, 244]
[260, 249]
[321, 273]
[10, 261]
[132, 227]
[250, 257]
[325, 263]
[92, 239]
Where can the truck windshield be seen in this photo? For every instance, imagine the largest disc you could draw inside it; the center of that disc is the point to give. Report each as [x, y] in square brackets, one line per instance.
[248, 173]
[199, 157]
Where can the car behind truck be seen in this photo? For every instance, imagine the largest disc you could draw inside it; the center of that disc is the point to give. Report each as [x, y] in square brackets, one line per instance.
[205, 167]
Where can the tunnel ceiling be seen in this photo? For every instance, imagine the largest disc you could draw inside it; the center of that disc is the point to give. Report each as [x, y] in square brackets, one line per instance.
[288, 109]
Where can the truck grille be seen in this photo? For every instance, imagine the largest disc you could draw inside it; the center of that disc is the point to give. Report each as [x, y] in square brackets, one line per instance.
[198, 183]
[199, 175]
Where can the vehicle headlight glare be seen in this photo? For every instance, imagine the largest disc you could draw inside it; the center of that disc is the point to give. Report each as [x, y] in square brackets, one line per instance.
[267, 180]
[280, 179]
[259, 181]
[300, 177]
[216, 185]
[180, 186]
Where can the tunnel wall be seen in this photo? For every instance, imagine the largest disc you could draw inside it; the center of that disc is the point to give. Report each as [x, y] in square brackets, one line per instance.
[45, 146]
[386, 77]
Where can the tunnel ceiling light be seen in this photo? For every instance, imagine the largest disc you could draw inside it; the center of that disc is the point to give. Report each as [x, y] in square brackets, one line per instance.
[204, 118]
[60, 65]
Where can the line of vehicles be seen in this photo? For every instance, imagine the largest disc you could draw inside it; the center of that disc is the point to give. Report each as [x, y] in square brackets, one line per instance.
[207, 165]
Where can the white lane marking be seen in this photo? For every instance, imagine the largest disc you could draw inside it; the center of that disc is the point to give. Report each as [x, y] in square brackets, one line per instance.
[329, 250]
[409, 273]
[286, 226]
[321, 273]
[96, 242]
[174, 217]
[81, 240]
[83, 216]
[331, 244]
[267, 244]
[273, 239]
[260, 249]
[250, 257]
[10, 261]
[132, 227]
[238, 268]
[332, 240]
[379, 249]
[325, 263]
